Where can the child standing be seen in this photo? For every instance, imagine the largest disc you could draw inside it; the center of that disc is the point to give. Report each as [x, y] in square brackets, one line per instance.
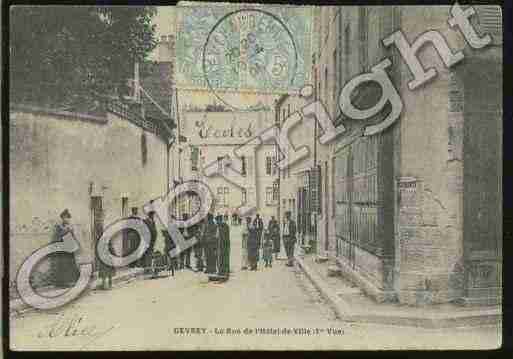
[268, 249]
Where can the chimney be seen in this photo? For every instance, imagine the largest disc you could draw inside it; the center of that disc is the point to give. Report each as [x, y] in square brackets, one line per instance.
[165, 48]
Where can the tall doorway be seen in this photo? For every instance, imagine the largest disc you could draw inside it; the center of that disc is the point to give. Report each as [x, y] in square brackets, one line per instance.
[97, 219]
[482, 181]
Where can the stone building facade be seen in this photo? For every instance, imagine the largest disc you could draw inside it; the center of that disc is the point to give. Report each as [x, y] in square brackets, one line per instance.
[211, 137]
[413, 213]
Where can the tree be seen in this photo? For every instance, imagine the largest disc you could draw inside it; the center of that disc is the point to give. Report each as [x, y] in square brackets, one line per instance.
[61, 54]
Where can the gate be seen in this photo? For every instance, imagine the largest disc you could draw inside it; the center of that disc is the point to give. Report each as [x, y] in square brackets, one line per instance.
[364, 203]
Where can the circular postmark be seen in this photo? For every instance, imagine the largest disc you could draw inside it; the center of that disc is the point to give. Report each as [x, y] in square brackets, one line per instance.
[250, 49]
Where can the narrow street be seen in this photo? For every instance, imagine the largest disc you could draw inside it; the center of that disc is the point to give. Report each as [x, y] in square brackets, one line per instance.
[187, 312]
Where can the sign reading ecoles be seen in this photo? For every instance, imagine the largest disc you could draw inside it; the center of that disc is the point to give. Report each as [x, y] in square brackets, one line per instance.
[224, 128]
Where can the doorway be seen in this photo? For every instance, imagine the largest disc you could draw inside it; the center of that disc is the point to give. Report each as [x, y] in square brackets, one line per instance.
[97, 219]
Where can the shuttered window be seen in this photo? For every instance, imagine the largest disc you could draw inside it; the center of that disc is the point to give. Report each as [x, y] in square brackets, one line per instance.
[490, 22]
[364, 37]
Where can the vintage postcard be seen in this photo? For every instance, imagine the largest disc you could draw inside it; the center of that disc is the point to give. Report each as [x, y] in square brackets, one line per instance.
[236, 176]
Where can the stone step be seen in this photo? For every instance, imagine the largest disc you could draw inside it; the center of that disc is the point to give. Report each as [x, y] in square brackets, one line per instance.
[334, 271]
[321, 259]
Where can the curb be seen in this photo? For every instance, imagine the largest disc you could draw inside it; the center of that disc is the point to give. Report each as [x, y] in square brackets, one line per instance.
[17, 305]
[417, 318]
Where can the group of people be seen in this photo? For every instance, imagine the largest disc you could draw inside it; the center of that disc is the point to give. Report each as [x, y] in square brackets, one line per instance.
[252, 244]
[211, 251]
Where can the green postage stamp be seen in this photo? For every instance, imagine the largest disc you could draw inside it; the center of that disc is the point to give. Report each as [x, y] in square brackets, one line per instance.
[243, 48]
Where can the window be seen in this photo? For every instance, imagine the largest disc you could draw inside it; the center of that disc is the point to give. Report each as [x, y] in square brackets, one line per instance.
[268, 196]
[274, 166]
[325, 83]
[222, 196]
[333, 197]
[250, 165]
[275, 192]
[244, 196]
[316, 80]
[194, 158]
[220, 164]
[347, 38]
[288, 110]
[490, 22]
[268, 165]
[243, 160]
[318, 92]
[364, 39]
[284, 116]
[124, 206]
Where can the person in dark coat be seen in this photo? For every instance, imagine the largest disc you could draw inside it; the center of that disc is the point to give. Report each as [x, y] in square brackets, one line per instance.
[168, 246]
[289, 237]
[131, 239]
[185, 256]
[199, 247]
[268, 249]
[252, 245]
[224, 248]
[145, 261]
[274, 232]
[210, 241]
[259, 228]
[64, 267]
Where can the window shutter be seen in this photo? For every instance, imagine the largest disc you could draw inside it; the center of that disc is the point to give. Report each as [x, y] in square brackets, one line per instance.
[250, 165]
[490, 22]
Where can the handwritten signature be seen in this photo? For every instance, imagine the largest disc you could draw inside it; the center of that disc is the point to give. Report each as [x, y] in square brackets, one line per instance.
[74, 327]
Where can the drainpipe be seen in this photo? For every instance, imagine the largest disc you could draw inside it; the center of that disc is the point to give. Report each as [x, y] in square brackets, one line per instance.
[277, 111]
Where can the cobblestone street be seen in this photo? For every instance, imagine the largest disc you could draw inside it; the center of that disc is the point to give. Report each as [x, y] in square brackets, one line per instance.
[160, 314]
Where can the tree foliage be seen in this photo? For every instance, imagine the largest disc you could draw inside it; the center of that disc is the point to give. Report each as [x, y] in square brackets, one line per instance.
[59, 54]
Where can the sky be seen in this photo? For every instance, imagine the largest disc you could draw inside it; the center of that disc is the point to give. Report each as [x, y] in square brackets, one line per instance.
[164, 20]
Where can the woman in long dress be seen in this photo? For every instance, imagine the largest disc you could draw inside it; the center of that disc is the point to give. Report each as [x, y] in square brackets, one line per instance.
[245, 238]
[252, 246]
[64, 267]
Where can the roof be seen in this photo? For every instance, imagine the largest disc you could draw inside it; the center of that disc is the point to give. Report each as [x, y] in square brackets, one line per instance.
[157, 83]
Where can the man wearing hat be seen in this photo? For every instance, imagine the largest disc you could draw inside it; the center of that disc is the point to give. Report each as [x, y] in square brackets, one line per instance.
[224, 248]
[210, 243]
[145, 261]
[63, 265]
[289, 237]
[259, 228]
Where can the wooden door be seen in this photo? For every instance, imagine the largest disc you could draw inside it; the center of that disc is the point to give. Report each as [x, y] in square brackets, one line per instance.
[482, 196]
[97, 219]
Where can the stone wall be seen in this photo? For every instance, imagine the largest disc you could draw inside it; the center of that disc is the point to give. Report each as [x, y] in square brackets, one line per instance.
[59, 162]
